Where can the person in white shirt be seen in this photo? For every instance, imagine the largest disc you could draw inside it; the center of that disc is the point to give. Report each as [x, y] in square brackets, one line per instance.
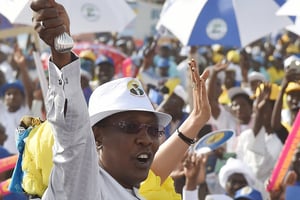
[111, 159]
[260, 146]
[12, 110]
[289, 95]
[17, 100]
[221, 117]
[5, 66]
[234, 176]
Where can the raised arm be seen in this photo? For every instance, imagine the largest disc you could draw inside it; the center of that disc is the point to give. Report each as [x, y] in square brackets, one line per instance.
[172, 150]
[290, 76]
[260, 107]
[214, 89]
[74, 174]
[20, 60]
[148, 53]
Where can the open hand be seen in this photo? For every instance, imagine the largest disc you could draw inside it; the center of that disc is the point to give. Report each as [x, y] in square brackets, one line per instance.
[201, 110]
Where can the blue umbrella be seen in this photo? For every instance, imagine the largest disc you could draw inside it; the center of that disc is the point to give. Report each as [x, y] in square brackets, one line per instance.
[4, 23]
[234, 23]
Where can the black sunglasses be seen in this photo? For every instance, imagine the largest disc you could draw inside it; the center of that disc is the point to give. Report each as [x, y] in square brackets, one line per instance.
[155, 131]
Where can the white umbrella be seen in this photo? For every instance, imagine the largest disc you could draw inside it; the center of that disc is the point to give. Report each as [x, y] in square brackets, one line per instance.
[86, 16]
[291, 8]
[233, 23]
[166, 6]
[13, 11]
[295, 28]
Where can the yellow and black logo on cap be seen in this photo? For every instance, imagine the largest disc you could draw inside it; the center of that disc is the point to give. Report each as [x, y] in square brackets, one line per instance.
[135, 88]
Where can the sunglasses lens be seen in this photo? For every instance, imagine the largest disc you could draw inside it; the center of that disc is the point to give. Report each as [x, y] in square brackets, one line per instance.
[131, 128]
[135, 128]
[155, 131]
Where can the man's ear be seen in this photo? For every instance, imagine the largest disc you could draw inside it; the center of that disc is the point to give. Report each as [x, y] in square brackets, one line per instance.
[98, 135]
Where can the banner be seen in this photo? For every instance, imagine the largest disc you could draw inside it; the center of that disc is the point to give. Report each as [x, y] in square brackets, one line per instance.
[8, 163]
[286, 156]
[4, 188]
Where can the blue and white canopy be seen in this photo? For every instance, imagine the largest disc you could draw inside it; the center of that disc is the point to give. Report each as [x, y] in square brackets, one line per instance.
[290, 8]
[234, 23]
[86, 16]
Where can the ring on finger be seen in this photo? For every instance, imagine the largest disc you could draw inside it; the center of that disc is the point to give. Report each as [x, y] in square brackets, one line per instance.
[42, 25]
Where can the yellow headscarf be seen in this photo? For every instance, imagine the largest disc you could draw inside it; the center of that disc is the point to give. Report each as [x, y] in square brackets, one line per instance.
[151, 188]
[37, 159]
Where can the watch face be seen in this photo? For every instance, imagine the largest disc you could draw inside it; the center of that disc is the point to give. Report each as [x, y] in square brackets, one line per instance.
[213, 140]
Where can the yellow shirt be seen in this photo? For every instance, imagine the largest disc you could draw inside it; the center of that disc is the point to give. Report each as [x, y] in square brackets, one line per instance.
[276, 76]
[151, 188]
[224, 98]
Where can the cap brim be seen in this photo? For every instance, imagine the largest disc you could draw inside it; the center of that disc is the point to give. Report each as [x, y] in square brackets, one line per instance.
[163, 118]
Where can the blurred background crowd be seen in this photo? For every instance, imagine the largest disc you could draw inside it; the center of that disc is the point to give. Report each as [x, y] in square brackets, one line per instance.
[253, 89]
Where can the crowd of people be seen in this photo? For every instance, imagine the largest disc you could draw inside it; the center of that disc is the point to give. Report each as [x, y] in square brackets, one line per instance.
[126, 130]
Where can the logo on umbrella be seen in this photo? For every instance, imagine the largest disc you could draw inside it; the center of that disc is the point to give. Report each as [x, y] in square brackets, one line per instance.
[90, 12]
[216, 29]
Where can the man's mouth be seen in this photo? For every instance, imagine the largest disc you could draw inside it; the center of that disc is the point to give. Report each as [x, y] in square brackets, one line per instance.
[143, 157]
[144, 160]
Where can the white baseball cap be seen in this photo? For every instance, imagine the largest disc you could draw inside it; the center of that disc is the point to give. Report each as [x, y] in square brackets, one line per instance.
[256, 76]
[236, 166]
[289, 60]
[124, 94]
[236, 90]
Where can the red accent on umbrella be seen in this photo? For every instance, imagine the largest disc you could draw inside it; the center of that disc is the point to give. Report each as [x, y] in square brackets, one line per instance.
[103, 49]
